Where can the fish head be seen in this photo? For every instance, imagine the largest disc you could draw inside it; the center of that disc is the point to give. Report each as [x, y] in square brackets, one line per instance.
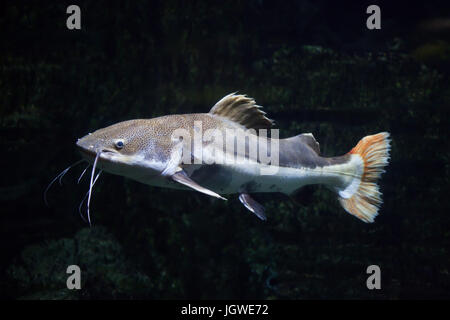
[126, 148]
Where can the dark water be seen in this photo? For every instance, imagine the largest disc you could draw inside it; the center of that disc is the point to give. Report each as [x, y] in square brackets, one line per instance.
[313, 65]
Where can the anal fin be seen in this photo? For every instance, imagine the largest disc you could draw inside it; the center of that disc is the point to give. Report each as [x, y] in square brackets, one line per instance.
[303, 196]
[252, 205]
[182, 177]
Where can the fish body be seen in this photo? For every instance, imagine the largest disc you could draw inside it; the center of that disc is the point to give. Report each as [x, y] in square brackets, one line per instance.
[227, 151]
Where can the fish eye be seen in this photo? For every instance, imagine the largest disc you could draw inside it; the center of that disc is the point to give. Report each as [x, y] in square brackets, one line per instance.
[119, 144]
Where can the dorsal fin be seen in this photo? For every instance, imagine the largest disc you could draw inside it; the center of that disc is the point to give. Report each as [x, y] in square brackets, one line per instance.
[243, 110]
[308, 139]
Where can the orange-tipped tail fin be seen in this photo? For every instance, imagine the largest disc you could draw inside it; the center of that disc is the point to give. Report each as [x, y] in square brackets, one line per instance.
[363, 198]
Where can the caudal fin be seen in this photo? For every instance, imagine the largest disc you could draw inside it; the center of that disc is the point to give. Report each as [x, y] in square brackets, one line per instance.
[362, 198]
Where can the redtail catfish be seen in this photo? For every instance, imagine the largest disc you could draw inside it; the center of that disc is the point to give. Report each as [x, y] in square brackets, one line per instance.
[228, 151]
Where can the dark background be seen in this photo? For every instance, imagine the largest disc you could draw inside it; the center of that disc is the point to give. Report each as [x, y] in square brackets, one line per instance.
[313, 65]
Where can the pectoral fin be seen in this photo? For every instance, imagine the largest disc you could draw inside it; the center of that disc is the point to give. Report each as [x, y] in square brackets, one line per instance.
[182, 177]
[252, 205]
[173, 164]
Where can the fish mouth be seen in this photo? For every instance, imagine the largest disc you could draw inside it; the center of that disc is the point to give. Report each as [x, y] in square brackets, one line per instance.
[92, 153]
